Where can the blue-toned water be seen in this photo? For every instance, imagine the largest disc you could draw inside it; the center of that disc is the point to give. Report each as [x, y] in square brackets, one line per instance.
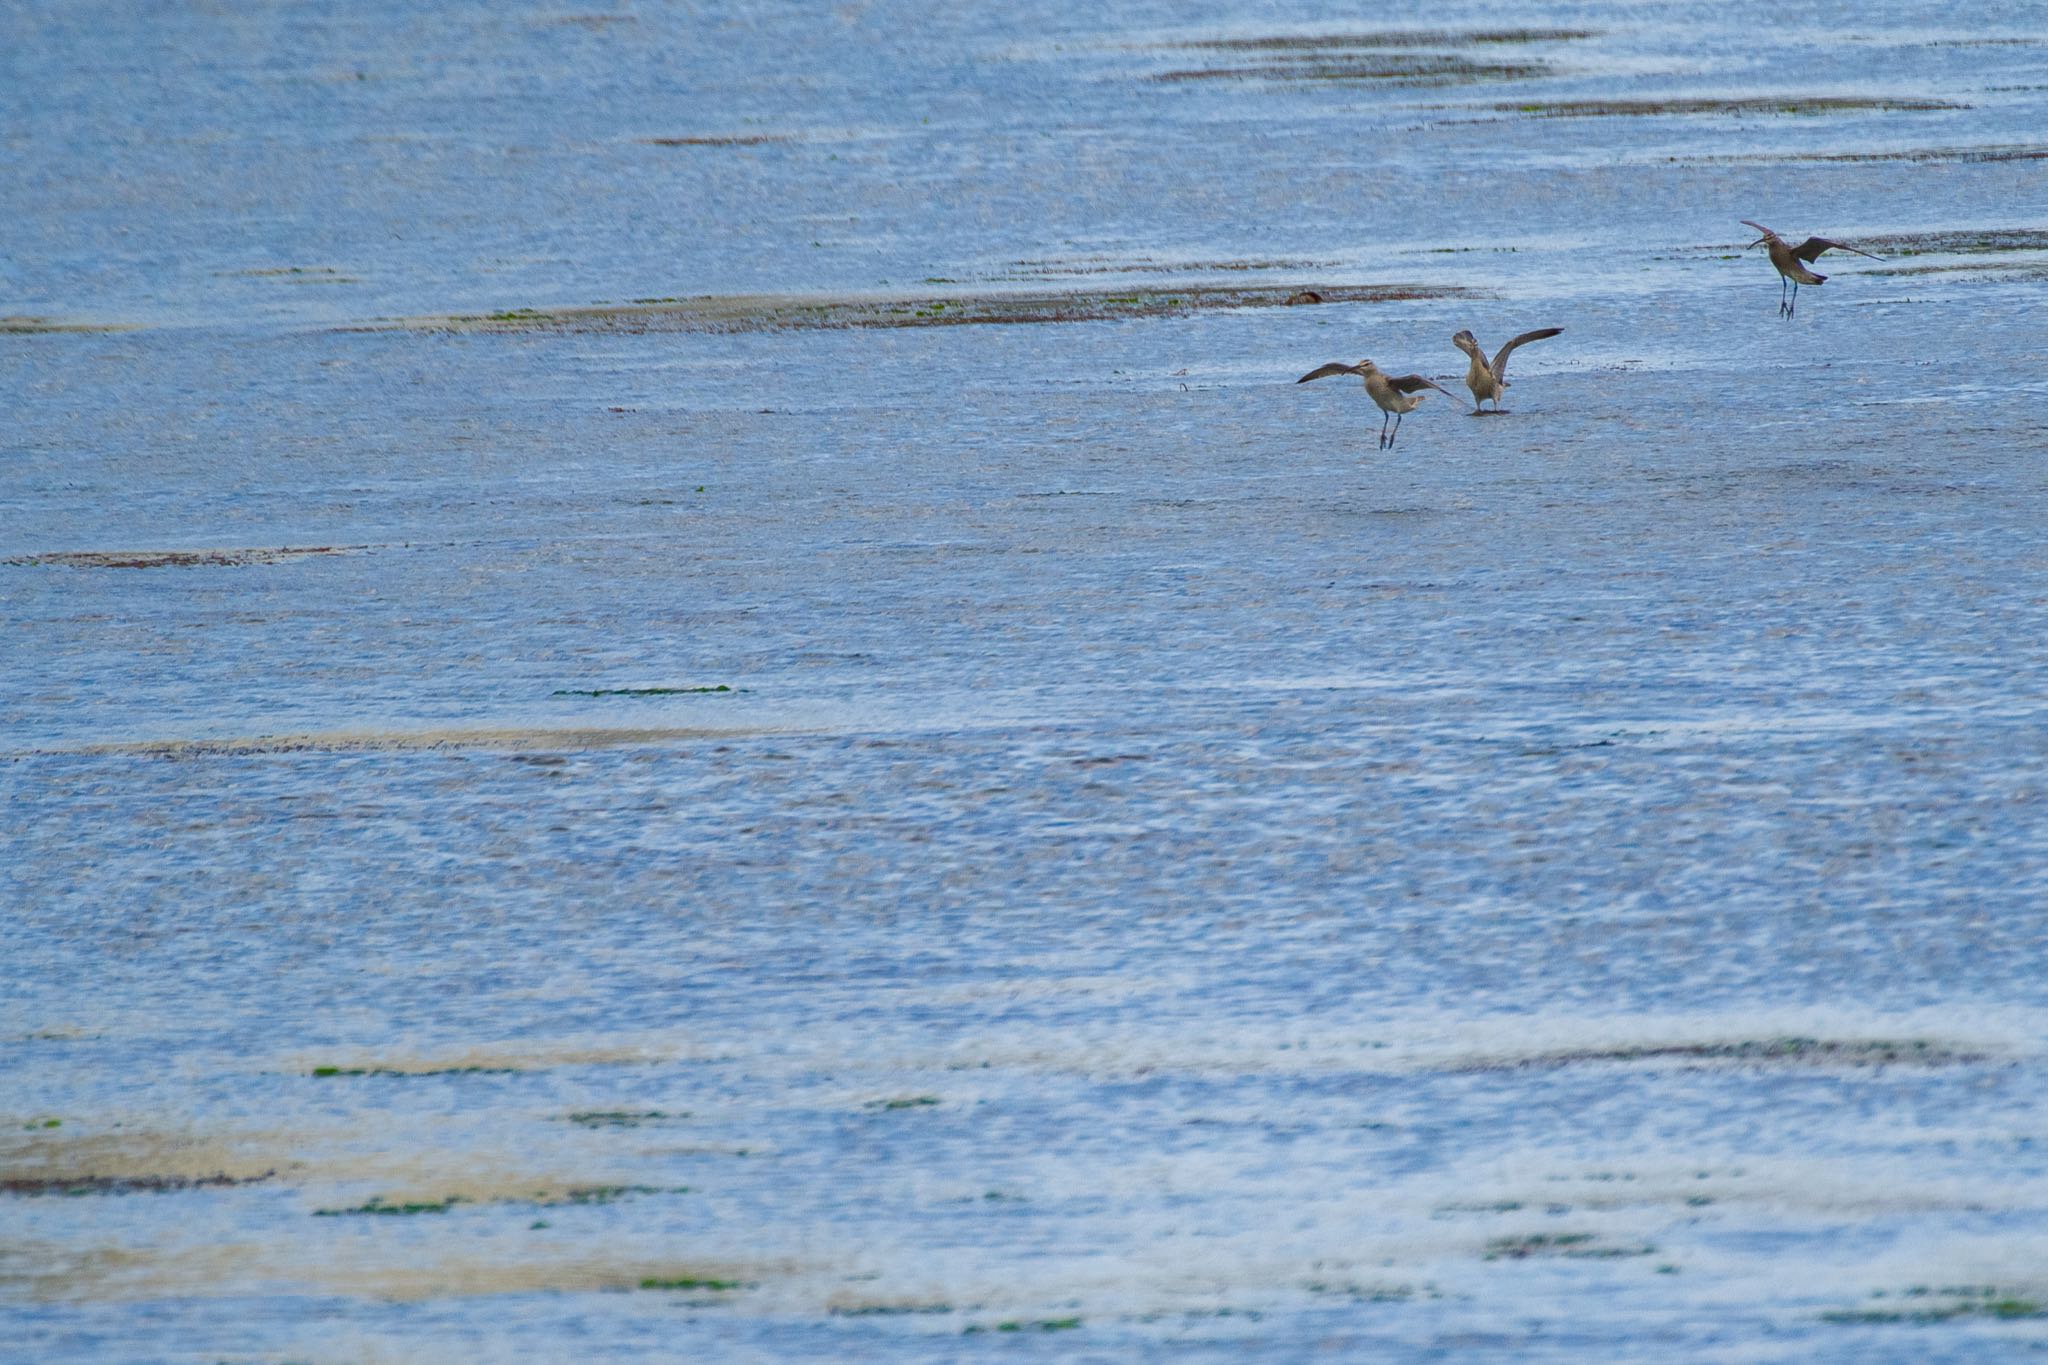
[1162, 877]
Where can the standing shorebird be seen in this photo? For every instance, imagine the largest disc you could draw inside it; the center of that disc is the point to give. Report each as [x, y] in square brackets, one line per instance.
[1486, 378]
[1396, 397]
[1790, 261]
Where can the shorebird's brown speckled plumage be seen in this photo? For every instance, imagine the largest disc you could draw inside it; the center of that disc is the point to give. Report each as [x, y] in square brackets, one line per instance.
[1487, 378]
[1791, 261]
[1396, 395]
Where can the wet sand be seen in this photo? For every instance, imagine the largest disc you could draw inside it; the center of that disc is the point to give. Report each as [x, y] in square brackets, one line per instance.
[593, 774]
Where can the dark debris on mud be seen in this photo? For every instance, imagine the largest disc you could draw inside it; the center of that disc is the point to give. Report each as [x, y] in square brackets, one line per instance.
[34, 1186]
[176, 559]
[1428, 68]
[1751, 105]
[413, 1073]
[1960, 241]
[1919, 156]
[720, 140]
[1388, 38]
[1576, 1246]
[1756, 1052]
[22, 325]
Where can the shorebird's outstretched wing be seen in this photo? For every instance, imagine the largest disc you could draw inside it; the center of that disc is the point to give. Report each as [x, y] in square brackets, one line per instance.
[1812, 247]
[1750, 222]
[1500, 360]
[1415, 383]
[1334, 367]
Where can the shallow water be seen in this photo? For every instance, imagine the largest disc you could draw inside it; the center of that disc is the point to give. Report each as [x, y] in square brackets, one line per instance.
[1165, 878]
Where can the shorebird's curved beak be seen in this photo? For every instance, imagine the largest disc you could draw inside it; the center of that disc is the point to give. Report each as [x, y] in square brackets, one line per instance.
[1758, 242]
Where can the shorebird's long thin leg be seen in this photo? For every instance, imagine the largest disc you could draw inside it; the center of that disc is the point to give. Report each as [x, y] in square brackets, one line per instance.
[1397, 430]
[1783, 280]
[1795, 300]
[1383, 429]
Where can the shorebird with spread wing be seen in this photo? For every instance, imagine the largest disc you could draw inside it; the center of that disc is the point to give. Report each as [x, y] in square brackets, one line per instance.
[1791, 262]
[1486, 378]
[1396, 397]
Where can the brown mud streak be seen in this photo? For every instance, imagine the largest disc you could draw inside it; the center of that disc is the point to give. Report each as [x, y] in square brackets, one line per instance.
[1960, 241]
[1096, 265]
[513, 740]
[121, 1184]
[1386, 38]
[1756, 104]
[1772, 1051]
[719, 140]
[1922, 156]
[770, 312]
[18, 325]
[176, 559]
[1408, 69]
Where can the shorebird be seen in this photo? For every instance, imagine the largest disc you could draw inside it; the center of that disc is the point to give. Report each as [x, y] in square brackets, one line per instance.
[1790, 261]
[1396, 397]
[1486, 378]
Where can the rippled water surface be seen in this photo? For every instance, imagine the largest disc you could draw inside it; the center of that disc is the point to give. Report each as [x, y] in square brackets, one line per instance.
[688, 682]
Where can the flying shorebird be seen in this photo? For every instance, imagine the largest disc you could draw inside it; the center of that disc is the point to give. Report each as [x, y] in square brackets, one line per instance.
[1396, 397]
[1487, 379]
[1790, 262]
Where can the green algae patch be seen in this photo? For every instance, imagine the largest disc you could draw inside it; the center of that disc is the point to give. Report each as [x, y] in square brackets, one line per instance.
[693, 1282]
[1369, 1293]
[404, 1208]
[1923, 1306]
[572, 1196]
[769, 312]
[1577, 1246]
[903, 1102]
[1027, 1325]
[578, 1195]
